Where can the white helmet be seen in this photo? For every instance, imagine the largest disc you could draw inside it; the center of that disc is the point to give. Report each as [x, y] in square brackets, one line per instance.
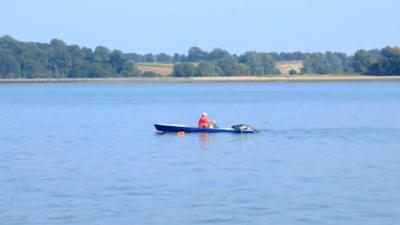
[204, 114]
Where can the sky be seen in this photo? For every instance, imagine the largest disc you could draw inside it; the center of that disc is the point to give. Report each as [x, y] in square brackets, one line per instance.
[173, 26]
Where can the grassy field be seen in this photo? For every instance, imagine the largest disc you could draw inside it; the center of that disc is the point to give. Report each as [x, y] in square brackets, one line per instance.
[160, 68]
[166, 69]
[286, 66]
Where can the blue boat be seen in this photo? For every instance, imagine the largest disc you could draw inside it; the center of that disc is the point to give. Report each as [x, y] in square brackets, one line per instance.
[240, 128]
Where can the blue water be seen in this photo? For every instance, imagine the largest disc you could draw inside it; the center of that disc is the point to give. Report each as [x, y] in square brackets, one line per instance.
[328, 153]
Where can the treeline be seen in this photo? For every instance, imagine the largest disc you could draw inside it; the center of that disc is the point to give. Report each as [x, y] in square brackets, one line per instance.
[378, 62]
[327, 63]
[374, 62]
[58, 60]
[195, 54]
[220, 63]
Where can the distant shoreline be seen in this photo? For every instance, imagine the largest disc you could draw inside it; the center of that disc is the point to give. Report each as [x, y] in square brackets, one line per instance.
[235, 79]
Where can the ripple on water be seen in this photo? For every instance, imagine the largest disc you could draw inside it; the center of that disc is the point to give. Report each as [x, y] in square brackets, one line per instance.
[89, 154]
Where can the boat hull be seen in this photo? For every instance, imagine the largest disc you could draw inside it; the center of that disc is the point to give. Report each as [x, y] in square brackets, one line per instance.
[181, 128]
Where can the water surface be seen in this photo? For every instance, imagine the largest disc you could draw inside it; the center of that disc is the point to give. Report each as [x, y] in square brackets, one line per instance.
[328, 153]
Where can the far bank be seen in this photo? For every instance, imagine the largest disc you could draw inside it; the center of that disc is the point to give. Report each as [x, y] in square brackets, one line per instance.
[253, 79]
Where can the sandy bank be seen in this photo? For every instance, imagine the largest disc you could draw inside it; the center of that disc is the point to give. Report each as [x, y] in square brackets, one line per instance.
[310, 78]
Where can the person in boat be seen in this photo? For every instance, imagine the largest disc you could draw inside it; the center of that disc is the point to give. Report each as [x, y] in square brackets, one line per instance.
[204, 122]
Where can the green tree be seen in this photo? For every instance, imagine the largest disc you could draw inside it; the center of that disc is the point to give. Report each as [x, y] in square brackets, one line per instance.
[97, 71]
[334, 63]
[117, 61]
[150, 58]
[59, 60]
[9, 66]
[218, 54]
[324, 63]
[179, 58]
[254, 61]
[133, 57]
[164, 58]
[208, 69]
[184, 70]
[314, 64]
[363, 59]
[269, 64]
[195, 54]
[225, 61]
[388, 63]
[101, 54]
[33, 69]
[78, 61]
[242, 69]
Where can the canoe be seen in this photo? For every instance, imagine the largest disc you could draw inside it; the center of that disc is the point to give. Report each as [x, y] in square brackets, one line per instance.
[163, 127]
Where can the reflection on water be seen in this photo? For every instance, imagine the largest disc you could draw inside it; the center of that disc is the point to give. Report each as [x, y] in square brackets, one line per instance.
[204, 140]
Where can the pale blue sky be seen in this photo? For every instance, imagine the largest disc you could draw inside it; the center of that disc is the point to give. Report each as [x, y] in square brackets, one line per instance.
[236, 25]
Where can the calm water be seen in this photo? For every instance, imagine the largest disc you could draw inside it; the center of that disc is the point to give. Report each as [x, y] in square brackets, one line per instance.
[328, 153]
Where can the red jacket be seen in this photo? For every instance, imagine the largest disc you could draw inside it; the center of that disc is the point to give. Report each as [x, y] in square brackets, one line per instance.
[203, 121]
